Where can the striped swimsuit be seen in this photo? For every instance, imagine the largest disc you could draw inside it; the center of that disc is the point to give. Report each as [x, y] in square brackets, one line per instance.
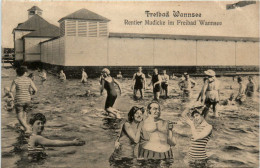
[197, 149]
[23, 85]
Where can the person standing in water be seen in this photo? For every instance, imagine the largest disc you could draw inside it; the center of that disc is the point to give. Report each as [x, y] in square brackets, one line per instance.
[62, 76]
[156, 82]
[241, 96]
[201, 132]
[139, 82]
[165, 80]
[186, 85]
[84, 76]
[107, 82]
[250, 87]
[210, 92]
[156, 136]
[43, 76]
[129, 135]
[22, 85]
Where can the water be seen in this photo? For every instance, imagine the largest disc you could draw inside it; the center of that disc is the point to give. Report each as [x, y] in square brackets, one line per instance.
[70, 115]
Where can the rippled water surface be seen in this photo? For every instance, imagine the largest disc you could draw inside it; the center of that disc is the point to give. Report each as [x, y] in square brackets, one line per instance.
[69, 115]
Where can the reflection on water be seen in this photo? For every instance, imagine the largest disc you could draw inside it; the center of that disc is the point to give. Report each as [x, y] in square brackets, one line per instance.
[71, 114]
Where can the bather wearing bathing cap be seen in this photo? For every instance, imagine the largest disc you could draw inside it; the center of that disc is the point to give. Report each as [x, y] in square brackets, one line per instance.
[105, 70]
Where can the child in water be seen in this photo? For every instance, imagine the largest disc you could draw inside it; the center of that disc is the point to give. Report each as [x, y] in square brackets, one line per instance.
[43, 76]
[9, 99]
[22, 85]
[62, 76]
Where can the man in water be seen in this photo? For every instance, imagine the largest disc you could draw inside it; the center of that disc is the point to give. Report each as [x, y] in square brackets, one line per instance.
[84, 76]
[139, 82]
[165, 79]
[201, 132]
[210, 92]
[156, 82]
[156, 136]
[119, 75]
[186, 85]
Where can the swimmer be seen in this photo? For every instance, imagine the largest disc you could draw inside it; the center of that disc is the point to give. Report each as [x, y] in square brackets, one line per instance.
[201, 132]
[250, 87]
[129, 135]
[84, 76]
[37, 142]
[241, 96]
[156, 82]
[119, 75]
[22, 85]
[62, 76]
[139, 83]
[210, 92]
[9, 99]
[107, 83]
[43, 76]
[157, 137]
[165, 80]
[186, 85]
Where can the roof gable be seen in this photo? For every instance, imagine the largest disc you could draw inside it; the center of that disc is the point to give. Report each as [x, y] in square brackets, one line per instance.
[34, 8]
[39, 26]
[84, 14]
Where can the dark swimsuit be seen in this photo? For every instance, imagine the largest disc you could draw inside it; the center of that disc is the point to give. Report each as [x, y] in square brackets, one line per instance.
[157, 87]
[111, 93]
[139, 81]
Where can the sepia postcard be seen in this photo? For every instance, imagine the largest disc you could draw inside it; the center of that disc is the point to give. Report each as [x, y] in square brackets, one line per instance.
[89, 84]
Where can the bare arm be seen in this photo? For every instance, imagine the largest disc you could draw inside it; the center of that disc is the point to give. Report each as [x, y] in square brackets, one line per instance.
[102, 86]
[118, 84]
[134, 80]
[58, 143]
[13, 86]
[33, 86]
[206, 131]
[171, 139]
[204, 88]
[144, 81]
[132, 135]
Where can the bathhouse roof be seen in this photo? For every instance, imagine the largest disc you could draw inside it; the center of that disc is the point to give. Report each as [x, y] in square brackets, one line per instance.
[84, 14]
[39, 27]
[183, 37]
[34, 8]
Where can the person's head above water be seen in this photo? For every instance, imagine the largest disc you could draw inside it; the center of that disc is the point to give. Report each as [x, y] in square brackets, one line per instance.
[155, 71]
[140, 69]
[83, 70]
[239, 79]
[105, 72]
[164, 71]
[136, 114]
[37, 121]
[250, 78]
[186, 75]
[210, 73]
[154, 110]
[20, 71]
[197, 116]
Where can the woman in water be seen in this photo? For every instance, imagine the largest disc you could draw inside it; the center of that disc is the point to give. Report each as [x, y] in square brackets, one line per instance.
[201, 132]
[129, 135]
[107, 82]
[37, 142]
[250, 87]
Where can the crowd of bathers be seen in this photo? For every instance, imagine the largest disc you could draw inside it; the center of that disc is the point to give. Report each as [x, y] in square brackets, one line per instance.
[145, 135]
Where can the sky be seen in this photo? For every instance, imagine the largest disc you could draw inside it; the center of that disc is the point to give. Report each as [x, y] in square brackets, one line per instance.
[239, 22]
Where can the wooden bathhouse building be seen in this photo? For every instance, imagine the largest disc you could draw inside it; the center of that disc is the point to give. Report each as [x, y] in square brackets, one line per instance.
[83, 40]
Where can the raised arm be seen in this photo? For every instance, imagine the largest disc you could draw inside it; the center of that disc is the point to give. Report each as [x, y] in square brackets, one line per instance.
[33, 87]
[118, 84]
[132, 135]
[58, 143]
